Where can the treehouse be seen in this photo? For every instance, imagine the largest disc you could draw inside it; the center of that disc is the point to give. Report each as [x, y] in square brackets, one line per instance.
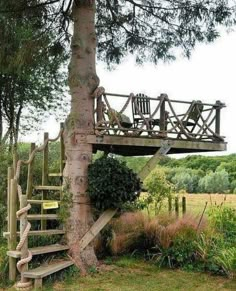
[133, 125]
[124, 124]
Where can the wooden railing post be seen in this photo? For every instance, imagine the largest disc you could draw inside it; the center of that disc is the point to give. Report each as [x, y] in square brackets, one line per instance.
[99, 109]
[12, 228]
[29, 188]
[45, 162]
[44, 177]
[10, 175]
[162, 114]
[23, 224]
[217, 121]
[62, 150]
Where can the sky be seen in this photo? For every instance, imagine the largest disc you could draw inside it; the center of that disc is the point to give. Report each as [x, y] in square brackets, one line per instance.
[209, 75]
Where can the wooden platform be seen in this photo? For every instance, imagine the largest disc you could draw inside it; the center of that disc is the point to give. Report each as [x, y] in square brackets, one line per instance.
[141, 146]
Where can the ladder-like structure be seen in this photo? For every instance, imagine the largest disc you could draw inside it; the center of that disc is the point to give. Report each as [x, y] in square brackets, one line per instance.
[31, 211]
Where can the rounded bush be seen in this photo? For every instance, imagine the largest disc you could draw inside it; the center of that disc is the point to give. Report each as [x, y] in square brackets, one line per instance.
[111, 183]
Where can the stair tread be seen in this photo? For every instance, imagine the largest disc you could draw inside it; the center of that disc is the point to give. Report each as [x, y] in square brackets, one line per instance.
[42, 216]
[32, 201]
[40, 187]
[39, 232]
[55, 174]
[46, 270]
[40, 250]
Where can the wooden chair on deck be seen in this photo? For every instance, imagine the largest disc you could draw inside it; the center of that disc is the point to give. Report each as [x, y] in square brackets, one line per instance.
[193, 117]
[141, 109]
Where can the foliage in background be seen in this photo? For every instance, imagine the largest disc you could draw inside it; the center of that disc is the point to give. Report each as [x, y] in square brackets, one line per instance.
[111, 183]
[214, 182]
[32, 81]
[158, 189]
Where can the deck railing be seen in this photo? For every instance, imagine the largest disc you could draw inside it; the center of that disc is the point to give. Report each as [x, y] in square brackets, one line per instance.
[117, 114]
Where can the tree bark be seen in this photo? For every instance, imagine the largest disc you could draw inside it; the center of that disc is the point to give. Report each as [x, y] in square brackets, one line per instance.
[80, 122]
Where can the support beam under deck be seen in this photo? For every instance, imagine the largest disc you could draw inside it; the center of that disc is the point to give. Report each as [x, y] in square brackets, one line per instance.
[135, 146]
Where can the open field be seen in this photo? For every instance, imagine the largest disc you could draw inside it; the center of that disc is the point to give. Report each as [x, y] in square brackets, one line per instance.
[196, 202]
[128, 274]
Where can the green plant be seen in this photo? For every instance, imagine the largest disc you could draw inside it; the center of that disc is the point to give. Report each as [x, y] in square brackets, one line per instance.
[224, 220]
[227, 260]
[111, 183]
[158, 189]
[3, 266]
[65, 204]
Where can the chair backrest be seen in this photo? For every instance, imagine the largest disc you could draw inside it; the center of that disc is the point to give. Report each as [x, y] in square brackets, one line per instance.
[195, 112]
[142, 105]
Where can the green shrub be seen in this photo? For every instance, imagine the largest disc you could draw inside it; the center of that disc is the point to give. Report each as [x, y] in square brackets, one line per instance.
[224, 221]
[111, 183]
[158, 189]
[226, 259]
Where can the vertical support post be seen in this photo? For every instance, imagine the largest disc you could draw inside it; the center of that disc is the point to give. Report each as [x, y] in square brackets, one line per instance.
[23, 224]
[163, 115]
[12, 228]
[183, 205]
[14, 159]
[45, 161]
[44, 176]
[29, 188]
[177, 206]
[217, 122]
[169, 204]
[62, 156]
[10, 175]
[99, 109]
[62, 150]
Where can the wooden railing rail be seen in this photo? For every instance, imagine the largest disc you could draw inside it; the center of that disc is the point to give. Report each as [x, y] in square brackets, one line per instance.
[165, 120]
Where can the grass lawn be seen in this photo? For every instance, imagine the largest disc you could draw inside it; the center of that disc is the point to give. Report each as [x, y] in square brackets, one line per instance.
[128, 274]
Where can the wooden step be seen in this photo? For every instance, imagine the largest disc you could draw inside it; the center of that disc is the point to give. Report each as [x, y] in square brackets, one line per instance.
[55, 174]
[39, 232]
[42, 216]
[46, 270]
[48, 188]
[32, 201]
[40, 250]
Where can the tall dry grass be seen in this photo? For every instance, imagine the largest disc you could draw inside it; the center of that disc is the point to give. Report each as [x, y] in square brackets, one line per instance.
[136, 231]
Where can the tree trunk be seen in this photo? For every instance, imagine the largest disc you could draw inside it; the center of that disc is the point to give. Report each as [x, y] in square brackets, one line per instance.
[80, 122]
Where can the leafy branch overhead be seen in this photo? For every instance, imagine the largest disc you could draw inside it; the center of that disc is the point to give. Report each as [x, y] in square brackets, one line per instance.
[152, 30]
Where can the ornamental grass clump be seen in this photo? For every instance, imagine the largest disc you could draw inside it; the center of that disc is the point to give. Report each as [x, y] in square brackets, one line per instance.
[112, 183]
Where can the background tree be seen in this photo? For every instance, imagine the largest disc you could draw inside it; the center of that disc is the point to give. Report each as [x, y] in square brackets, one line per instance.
[151, 30]
[32, 82]
[158, 189]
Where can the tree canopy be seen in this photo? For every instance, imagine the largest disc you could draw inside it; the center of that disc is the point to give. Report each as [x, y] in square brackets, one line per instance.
[152, 30]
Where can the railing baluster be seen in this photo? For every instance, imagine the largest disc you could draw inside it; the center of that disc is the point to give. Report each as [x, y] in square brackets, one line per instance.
[29, 188]
[12, 227]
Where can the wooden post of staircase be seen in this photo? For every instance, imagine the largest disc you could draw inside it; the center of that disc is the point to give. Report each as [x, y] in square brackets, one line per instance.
[10, 175]
[12, 228]
[44, 177]
[23, 224]
[30, 174]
